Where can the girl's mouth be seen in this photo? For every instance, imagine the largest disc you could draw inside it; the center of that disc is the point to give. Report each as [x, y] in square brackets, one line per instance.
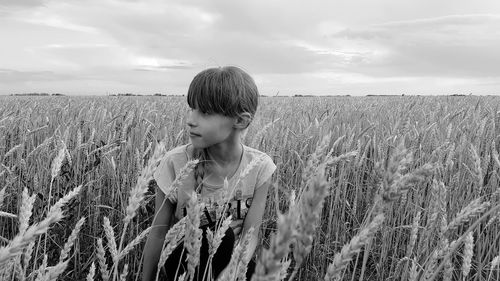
[194, 135]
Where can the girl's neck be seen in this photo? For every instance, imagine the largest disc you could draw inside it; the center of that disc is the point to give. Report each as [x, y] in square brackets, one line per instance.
[226, 153]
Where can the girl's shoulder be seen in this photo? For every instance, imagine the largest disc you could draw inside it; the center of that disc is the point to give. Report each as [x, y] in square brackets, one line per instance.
[258, 158]
[179, 153]
[259, 167]
[253, 153]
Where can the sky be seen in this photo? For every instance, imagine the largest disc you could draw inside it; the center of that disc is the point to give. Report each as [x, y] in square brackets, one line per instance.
[316, 47]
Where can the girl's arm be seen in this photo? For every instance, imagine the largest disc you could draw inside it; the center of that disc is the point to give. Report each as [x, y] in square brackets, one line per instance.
[254, 216]
[161, 222]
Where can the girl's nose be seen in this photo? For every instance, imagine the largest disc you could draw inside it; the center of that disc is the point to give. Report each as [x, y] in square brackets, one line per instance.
[190, 120]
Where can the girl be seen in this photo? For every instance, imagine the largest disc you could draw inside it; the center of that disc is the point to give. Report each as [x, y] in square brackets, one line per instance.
[223, 102]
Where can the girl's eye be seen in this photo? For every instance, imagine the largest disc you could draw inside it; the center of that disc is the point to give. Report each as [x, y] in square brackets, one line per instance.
[203, 112]
[198, 110]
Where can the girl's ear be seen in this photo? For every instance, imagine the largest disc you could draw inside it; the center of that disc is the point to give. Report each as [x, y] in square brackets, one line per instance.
[243, 120]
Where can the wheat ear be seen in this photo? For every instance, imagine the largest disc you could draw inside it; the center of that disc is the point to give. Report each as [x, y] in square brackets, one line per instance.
[413, 234]
[494, 264]
[101, 258]
[12, 150]
[183, 174]
[57, 163]
[342, 259]
[237, 267]
[468, 253]
[27, 256]
[53, 272]
[2, 195]
[26, 211]
[316, 158]
[215, 242]
[172, 239]
[138, 192]
[123, 276]
[90, 276]
[71, 240]
[478, 173]
[413, 271]
[474, 208]
[42, 270]
[19, 242]
[269, 263]
[134, 243]
[431, 266]
[110, 236]
[192, 239]
[448, 265]
[310, 205]
[57, 207]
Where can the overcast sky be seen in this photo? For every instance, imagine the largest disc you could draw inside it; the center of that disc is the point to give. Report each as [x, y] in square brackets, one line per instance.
[291, 47]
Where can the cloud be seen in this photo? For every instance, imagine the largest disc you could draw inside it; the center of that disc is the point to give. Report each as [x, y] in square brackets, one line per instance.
[15, 76]
[199, 35]
[13, 4]
[451, 46]
[325, 45]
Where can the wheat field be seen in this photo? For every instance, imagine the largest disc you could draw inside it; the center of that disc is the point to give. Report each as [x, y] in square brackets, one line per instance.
[366, 188]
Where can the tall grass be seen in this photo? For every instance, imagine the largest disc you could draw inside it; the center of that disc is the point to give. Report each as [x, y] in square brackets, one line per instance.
[392, 188]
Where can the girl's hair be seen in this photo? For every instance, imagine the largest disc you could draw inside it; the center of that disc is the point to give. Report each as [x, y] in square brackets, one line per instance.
[229, 91]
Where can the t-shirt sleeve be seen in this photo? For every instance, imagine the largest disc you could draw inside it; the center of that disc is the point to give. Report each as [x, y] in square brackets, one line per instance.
[165, 175]
[266, 170]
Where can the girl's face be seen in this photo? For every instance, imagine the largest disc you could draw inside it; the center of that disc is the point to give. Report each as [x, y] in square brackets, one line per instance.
[208, 129]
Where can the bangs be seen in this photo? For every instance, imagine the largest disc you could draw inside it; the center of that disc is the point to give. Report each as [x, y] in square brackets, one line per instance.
[205, 94]
[223, 91]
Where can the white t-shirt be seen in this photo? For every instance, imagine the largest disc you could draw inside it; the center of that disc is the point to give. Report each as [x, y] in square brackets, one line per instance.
[242, 187]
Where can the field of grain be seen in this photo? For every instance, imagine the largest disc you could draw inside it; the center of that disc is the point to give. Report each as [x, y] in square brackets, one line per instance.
[385, 188]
